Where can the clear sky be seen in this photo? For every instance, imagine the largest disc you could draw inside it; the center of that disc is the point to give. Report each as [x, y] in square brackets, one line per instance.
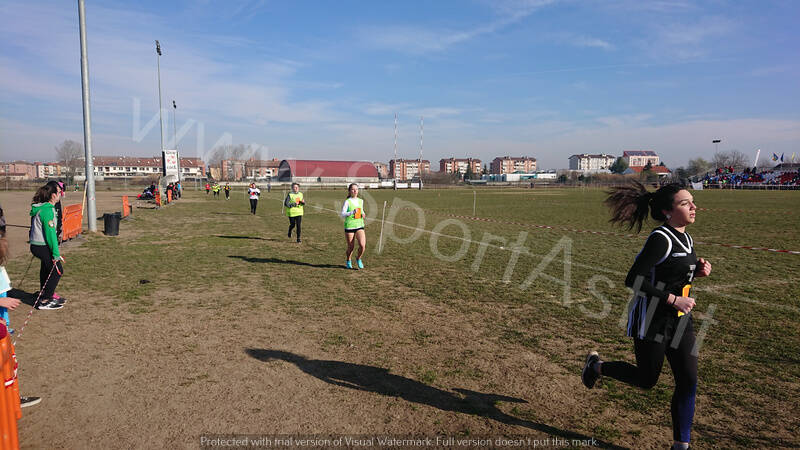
[323, 79]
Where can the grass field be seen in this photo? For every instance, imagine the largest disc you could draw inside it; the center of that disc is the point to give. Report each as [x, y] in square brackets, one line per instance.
[203, 319]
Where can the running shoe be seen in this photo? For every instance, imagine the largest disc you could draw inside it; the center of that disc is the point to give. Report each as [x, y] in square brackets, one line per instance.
[348, 264]
[29, 401]
[589, 376]
[49, 303]
[59, 298]
[360, 264]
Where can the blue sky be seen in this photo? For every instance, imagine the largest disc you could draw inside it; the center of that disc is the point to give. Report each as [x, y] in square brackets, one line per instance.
[543, 78]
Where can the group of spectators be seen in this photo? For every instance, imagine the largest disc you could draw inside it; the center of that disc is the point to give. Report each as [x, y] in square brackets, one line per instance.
[45, 236]
[727, 177]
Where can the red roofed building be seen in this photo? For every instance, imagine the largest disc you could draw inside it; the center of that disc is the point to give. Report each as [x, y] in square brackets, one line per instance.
[315, 171]
[661, 171]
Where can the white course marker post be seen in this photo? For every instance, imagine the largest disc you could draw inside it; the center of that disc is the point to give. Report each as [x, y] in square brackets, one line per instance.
[474, 202]
[380, 239]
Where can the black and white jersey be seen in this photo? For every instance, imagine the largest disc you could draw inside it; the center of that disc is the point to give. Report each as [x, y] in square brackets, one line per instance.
[664, 266]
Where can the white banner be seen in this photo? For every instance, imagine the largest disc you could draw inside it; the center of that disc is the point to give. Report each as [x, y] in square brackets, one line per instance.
[697, 186]
[171, 163]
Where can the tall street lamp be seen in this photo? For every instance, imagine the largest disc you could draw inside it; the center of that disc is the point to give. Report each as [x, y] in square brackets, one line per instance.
[160, 120]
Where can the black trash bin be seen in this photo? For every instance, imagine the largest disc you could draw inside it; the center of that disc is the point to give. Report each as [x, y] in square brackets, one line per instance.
[111, 224]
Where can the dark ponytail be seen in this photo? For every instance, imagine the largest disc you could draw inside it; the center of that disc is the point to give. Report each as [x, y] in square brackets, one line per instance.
[630, 204]
[45, 193]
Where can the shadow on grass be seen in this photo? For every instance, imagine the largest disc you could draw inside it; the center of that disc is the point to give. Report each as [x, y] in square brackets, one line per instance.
[287, 261]
[380, 381]
[244, 237]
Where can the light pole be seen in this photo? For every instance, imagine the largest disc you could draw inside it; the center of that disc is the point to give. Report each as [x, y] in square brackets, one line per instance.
[174, 126]
[91, 212]
[160, 120]
[716, 145]
[175, 136]
[419, 167]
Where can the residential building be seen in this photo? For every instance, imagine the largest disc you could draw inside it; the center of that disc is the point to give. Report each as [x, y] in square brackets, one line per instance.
[509, 164]
[406, 169]
[18, 170]
[262, 168]
[382, 168]
[48, 170]
[460, 165]
[591, 163]
[134, 166]
[640, 158]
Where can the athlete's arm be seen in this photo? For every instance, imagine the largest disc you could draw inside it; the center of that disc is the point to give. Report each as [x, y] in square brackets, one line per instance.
[654, 249]
[345, 212]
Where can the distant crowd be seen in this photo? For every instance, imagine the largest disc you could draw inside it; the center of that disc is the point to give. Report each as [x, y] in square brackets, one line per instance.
[727, 176]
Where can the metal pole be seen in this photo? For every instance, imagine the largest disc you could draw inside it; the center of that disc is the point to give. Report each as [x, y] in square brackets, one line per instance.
[91, 213]
[174, 126]
[394, 175]
[160, 120]
[419, 167]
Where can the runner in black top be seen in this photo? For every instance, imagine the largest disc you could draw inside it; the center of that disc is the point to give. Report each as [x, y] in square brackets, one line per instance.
[659, 315]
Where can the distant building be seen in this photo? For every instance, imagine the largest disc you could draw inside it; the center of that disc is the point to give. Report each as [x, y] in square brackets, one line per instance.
[507, 164]
[18, 170]
[262, 168]
[231, 169]
[382, 168]
[661, 171]
[460, 165]
[134, 166]
[591, 163]
[315, 171]
[406, 169]
[48, 170]
[640, 158]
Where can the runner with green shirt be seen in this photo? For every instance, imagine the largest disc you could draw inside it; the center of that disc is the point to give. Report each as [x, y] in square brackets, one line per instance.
[294, 203]
[353, 213]
[44, 245]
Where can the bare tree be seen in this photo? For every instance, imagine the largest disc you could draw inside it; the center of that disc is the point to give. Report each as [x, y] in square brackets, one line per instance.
[238, 152]
[71, 156]
[733, 158]
[698, 166]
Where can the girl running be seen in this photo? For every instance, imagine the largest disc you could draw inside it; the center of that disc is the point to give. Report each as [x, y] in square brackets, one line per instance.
[353, 213]
[227, 189]
[294, 209]
[659, 316]
[44, 245]
[254, 193]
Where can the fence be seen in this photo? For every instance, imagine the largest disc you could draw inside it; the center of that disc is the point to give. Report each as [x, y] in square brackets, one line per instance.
[72, 221]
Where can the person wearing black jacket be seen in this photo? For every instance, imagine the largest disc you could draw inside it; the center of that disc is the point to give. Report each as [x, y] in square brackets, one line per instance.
[659, 316]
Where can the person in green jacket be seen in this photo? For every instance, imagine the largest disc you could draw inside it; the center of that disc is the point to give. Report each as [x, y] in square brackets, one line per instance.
[44, 245]
[353, 213]
[294, 203]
